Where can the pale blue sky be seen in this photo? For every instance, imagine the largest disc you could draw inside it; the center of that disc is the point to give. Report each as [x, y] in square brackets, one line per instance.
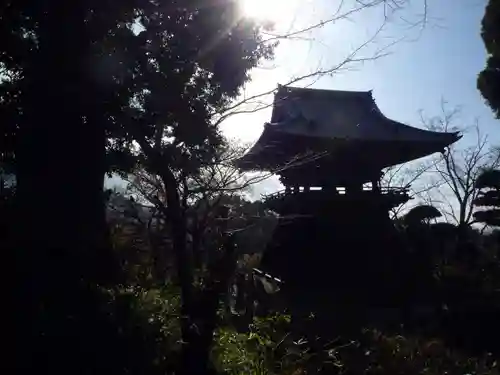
[440, 62]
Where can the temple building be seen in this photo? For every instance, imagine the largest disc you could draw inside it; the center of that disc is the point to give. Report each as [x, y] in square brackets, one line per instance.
[329, 149]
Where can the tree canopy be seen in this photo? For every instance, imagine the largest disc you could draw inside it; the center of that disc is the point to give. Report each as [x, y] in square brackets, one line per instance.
[489, 79]
[488, 199]
[92, 87]
[422, 213]
[147, 74]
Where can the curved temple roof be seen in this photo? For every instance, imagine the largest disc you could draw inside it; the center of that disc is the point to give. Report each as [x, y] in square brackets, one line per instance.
[340, 115]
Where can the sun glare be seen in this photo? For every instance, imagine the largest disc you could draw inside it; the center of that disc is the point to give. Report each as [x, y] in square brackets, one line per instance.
[277, 11]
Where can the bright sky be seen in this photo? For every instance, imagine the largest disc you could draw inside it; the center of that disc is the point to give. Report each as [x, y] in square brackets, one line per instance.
[439, 62]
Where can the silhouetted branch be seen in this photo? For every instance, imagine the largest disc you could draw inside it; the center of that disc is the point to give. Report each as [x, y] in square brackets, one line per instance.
[458, 168]
[406, 175]
[254, 103]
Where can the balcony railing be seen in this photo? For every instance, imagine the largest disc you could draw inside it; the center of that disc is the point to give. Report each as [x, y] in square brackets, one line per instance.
[386, 191]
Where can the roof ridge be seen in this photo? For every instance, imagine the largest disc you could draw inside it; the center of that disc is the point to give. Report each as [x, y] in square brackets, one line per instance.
[312, 89]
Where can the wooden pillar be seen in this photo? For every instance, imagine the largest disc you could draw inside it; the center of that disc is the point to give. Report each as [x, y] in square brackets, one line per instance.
[376, 181]
[354, 188]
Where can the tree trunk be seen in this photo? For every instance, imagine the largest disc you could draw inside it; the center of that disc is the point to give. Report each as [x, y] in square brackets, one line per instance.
[198, 310]
[199, 337]
[61, 228]
[62, 149]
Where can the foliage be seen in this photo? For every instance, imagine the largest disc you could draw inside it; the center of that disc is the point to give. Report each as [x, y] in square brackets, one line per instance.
[137, 82]
[488, 179]
[452, 176]
[488, 200]
[383, 353]
[270, 347]
[193, 74]
[489, 79]
[429, 342]
[159, 308]
[421, 213]
[200, 75]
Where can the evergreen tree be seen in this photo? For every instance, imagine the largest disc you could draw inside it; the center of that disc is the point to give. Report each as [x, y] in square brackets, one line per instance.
[488, 200]
[82, 82]
[489, 79]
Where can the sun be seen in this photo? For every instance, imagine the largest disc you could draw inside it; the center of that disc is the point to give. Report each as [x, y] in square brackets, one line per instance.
[276, 11]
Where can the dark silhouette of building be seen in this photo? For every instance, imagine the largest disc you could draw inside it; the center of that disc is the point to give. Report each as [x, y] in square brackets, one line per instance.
[335, 242]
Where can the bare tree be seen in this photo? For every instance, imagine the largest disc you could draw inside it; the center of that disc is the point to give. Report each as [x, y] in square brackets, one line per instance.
[452, 177]
[408, 176]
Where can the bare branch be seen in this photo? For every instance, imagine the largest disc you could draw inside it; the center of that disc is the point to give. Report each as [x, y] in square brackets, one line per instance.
[458, 168]
[254, 103]
[335, 17]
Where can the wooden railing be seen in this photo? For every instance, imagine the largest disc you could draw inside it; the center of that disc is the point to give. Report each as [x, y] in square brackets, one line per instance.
[395, 191]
